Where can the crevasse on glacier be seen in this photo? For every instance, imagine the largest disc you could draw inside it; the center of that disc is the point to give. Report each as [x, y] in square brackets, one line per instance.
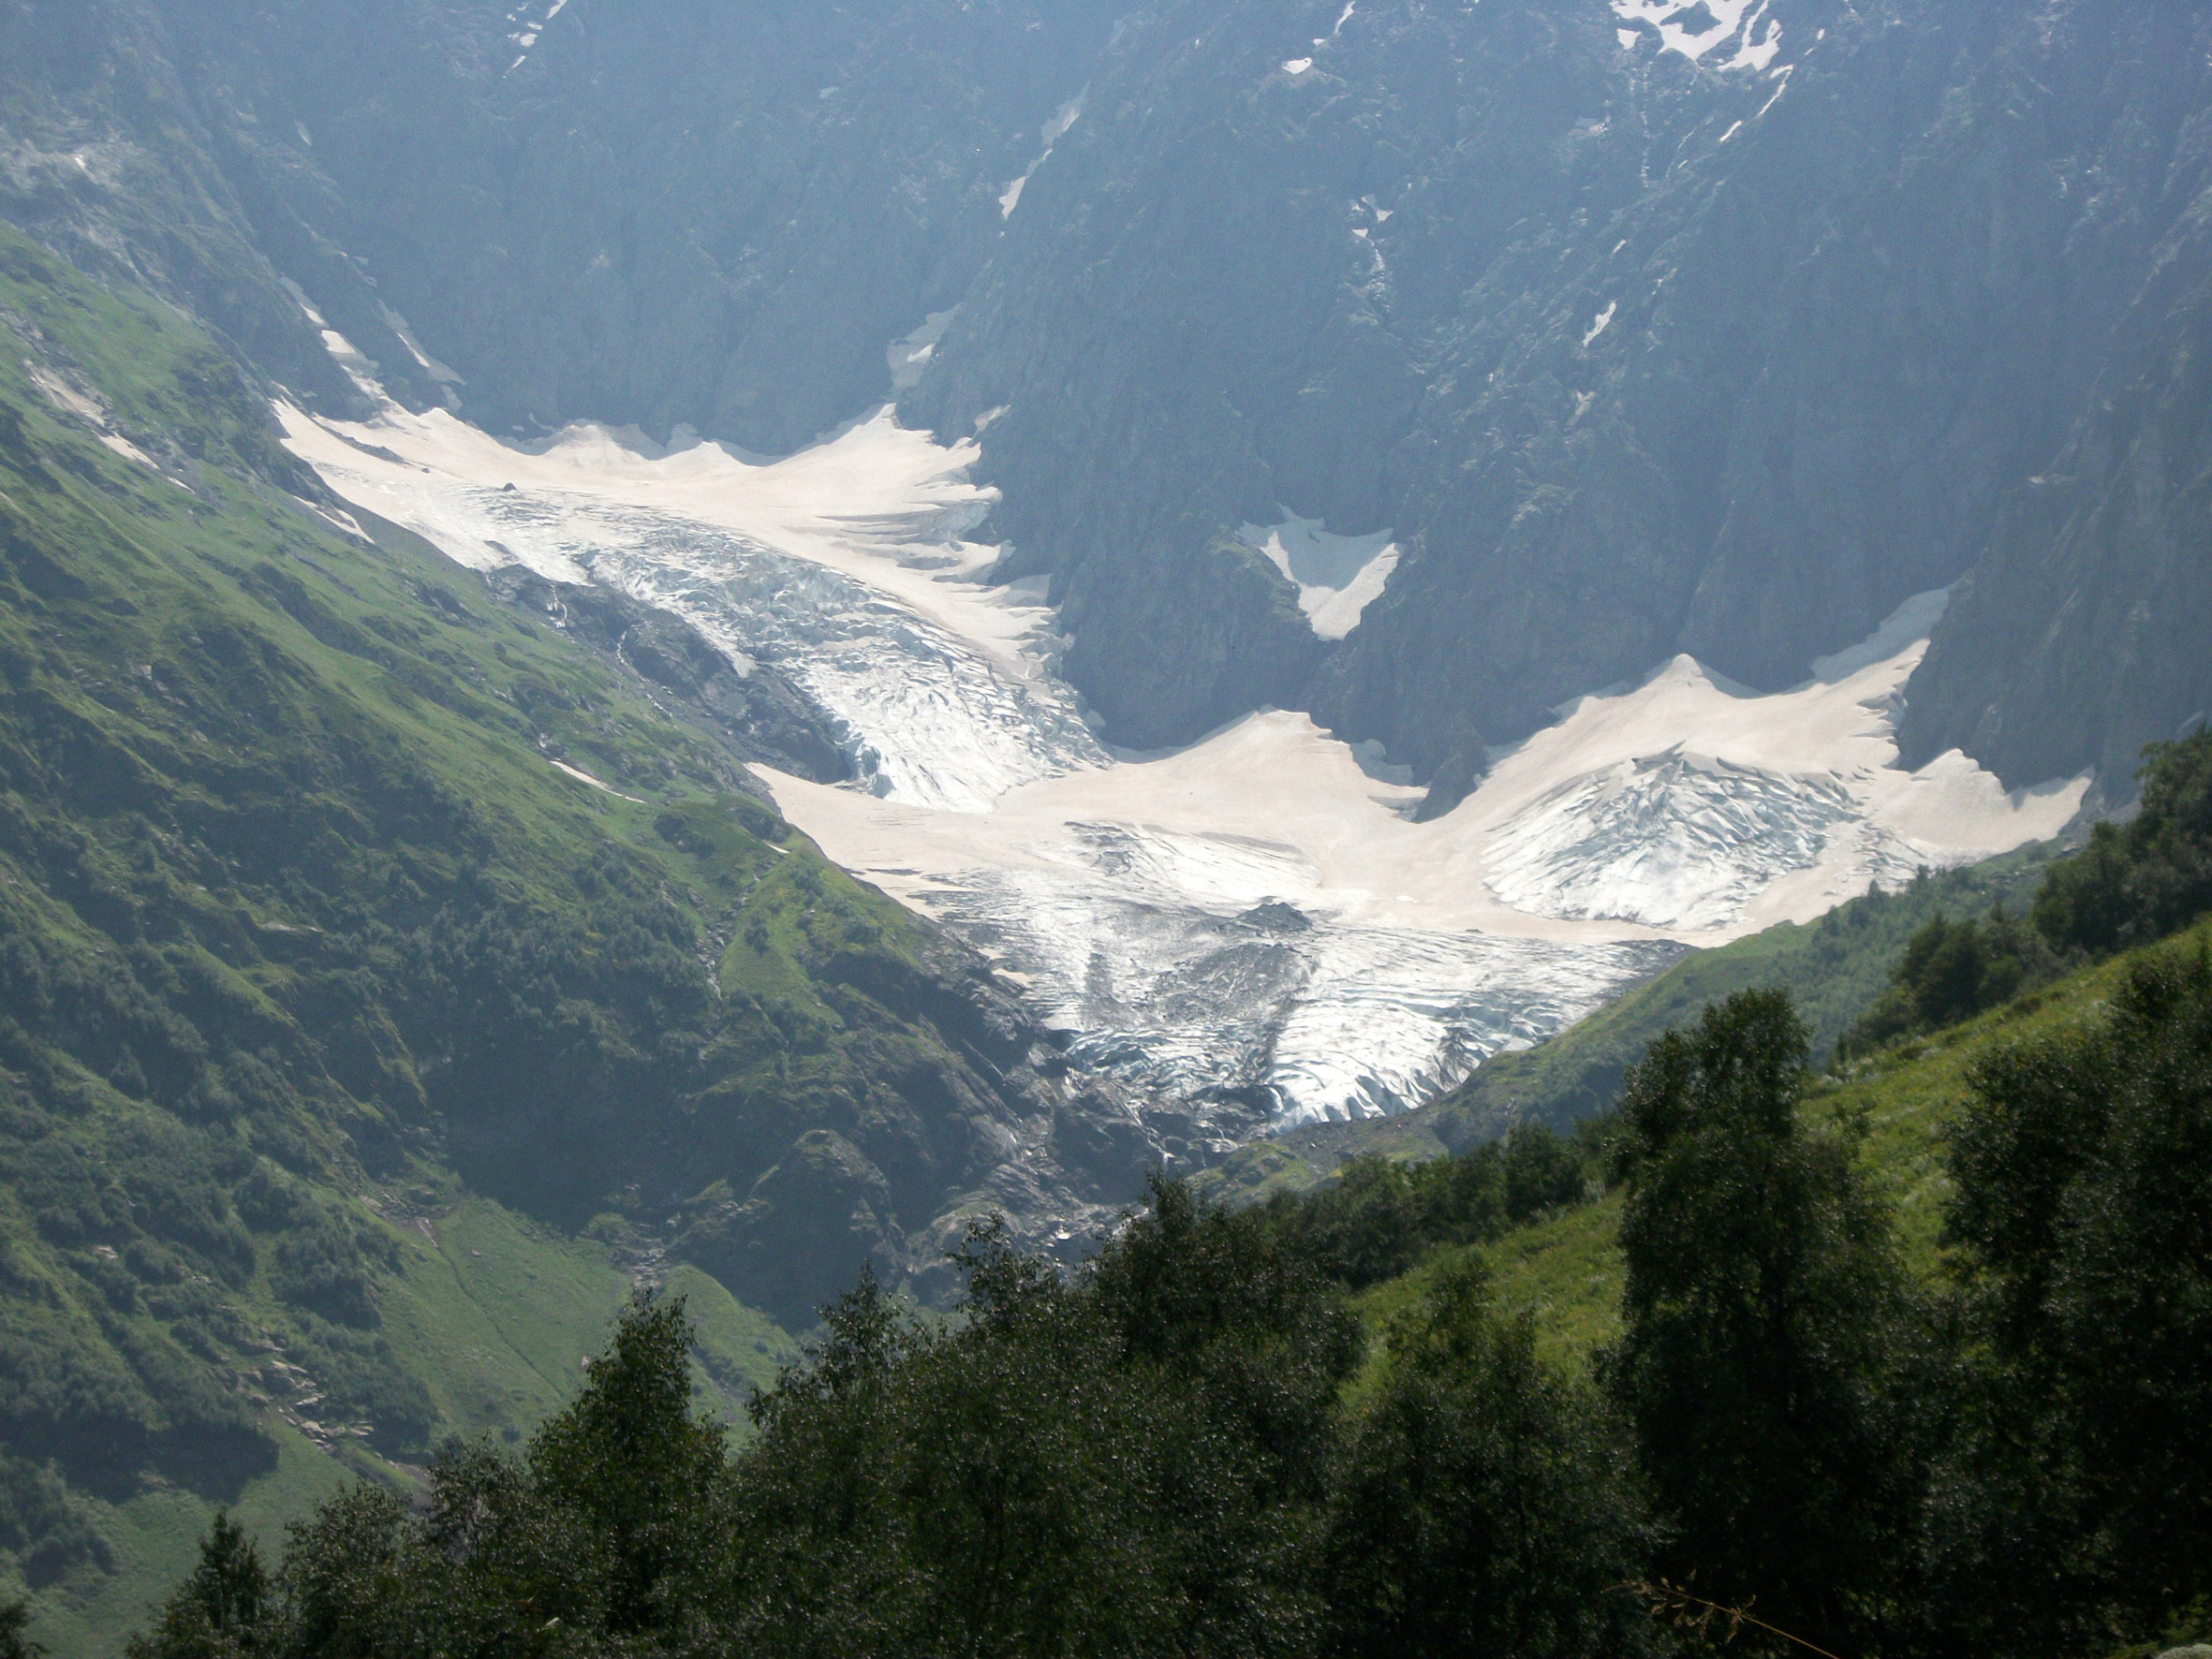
[1255, 917]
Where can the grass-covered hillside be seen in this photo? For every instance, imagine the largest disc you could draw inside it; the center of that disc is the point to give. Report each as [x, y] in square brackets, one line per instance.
[1834, 969]
[356, 1052]
[1565, 1268]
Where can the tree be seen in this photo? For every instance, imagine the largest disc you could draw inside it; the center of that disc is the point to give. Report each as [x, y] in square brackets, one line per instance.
[1485, 1504]
[1378, 1215]
[1764, 1310]
[2138, 882]
[224, 1610]
[1950, 972]
[1541, 1172]
[592, 1544]
[2081, 1165]
[1128, 1460]
[629, 1460]
[15, 1617]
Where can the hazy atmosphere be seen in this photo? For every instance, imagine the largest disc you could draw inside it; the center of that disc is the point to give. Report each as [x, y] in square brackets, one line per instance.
[1001, 827]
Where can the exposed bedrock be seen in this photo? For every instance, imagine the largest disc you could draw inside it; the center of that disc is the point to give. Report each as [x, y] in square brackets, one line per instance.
[2086, 631]
[1642, 337]
[689, 213]
[760, 714]
[1637, 356]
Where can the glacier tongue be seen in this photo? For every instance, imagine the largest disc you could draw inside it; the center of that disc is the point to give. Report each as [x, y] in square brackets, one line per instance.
[940, 689]
[1253, 924]
[1674, 841]
[1172, 960]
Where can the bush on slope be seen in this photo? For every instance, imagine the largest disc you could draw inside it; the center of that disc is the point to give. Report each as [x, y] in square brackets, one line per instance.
[2130, 884]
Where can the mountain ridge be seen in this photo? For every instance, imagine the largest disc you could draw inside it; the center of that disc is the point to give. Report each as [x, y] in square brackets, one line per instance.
[1572, 303]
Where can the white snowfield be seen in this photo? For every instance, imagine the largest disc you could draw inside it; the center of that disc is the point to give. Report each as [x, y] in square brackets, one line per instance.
[1337, 577]
[1254, 913]
[1697, 29]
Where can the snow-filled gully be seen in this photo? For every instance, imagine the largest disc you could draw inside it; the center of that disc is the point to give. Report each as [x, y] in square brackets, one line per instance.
[1254, 914]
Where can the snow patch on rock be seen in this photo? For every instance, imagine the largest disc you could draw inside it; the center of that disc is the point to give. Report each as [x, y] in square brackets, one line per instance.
[908, 357]
[406, 336]
[1337, 577]
[1052, 132]
[1701, 28]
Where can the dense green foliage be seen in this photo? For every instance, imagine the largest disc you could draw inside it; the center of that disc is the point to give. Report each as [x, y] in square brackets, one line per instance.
[2081, 1164]
[1377, 1217]
[14, 1644]
[1763, 1310]
[222, 1608]
[2140, 881]
[1145, 1458]
[1952, 971]
[1189, 1445]
[2130, 884]
[1486, 1504]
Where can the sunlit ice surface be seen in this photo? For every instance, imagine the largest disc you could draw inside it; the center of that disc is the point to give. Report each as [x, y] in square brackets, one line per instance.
[1257, 913]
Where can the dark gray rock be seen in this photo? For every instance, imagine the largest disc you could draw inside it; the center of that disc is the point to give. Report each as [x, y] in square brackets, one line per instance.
[803, 1232]
[2085, 631]
[762, 715]
[1843, 326]
[682, 214]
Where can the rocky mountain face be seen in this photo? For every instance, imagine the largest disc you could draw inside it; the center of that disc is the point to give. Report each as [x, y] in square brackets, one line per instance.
[2095, 592]
[1642, 342]
[692, 214]
[1645, 330]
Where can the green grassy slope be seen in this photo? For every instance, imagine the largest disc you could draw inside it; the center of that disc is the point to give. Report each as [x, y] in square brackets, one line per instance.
[1834, 968]
[1566, 1269]
[353, 1057]
[492, 1313]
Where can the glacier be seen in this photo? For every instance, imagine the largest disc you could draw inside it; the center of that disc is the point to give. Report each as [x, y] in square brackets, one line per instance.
[1254, 924]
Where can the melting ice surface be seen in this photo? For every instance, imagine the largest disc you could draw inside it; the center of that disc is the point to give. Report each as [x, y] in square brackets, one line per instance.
[1255, 916]
[831, 564]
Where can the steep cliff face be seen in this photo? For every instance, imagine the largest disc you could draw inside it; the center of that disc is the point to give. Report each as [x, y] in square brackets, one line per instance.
[1636, 352]
[693, 214]
[2084, 632]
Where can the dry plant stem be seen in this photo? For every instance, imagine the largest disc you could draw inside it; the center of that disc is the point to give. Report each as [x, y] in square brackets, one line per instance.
[1695, 1611]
